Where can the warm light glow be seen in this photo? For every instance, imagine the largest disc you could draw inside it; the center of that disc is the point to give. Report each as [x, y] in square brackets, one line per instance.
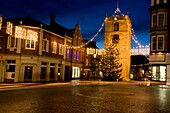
[20, 32]
[153, 53]
[0, 22]
[159, 53]
[94, 55]
[32, 35]
[9, 26]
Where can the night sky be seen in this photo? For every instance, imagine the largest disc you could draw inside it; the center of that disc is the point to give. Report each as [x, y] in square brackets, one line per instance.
[90, 14]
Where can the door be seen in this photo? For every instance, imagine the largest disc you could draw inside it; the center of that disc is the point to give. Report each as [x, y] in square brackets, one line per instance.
[28, 73]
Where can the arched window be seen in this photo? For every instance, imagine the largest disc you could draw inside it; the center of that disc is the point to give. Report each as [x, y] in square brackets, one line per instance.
[116, 26]
[115, 39]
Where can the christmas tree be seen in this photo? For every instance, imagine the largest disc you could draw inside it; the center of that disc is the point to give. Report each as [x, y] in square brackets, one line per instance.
[110, 65]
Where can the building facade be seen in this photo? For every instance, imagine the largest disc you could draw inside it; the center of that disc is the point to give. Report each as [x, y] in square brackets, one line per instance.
[31, 51]
[159, 40]
[118, 28]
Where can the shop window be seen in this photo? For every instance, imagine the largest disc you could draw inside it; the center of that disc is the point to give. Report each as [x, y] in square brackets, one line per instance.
[10, 66]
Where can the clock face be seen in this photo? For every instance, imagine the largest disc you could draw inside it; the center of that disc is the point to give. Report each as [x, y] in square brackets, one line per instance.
[115, 39]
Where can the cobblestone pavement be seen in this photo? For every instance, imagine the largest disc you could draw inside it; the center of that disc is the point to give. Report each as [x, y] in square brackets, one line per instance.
[85, 97]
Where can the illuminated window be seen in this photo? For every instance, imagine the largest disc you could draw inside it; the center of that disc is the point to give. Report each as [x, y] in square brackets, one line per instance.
[78, 55]
[12, 42]
[75, 55]
[30, 44]
[54, 47]
[61, 49]
[154, 20]
[161, 21]
[0, 42]
[45, 45]
[160, 42]
[68, 52]
[153, 43]
[116, 26]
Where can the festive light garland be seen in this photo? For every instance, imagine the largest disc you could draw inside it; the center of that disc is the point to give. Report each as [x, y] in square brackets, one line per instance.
[9, 27]
[135, 39]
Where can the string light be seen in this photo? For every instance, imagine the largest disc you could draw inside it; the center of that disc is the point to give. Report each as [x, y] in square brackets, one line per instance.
[9, 27]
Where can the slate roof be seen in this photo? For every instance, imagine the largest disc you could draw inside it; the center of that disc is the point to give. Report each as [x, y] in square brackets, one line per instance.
[55, 28]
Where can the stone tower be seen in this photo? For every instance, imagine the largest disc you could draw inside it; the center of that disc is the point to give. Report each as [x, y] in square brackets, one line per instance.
[118, 27]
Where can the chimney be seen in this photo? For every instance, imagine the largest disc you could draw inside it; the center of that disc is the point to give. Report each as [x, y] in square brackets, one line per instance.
[52, 19]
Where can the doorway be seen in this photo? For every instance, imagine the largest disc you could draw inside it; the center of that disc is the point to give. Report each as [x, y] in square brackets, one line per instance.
[28, 73]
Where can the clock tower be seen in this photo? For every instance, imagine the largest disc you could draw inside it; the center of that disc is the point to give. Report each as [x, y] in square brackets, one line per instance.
[118, 28]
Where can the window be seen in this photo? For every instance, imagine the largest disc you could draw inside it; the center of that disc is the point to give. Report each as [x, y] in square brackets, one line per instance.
[161, 19]
[0, 42]
[75, 55]
[155, 1]
[78, 55]
[12, 42]
[54, 47]
[45, 45]
[10, 66]
[30, 44]
[61, 49]
[116, 26]
[153, 42]
[154, 21]
[68, 52]
[160, 42]
[115, 39]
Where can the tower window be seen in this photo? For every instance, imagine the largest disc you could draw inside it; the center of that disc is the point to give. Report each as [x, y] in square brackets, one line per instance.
[116, 26]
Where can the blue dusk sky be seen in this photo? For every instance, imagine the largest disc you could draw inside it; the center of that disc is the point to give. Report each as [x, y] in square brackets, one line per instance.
[90, 14]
